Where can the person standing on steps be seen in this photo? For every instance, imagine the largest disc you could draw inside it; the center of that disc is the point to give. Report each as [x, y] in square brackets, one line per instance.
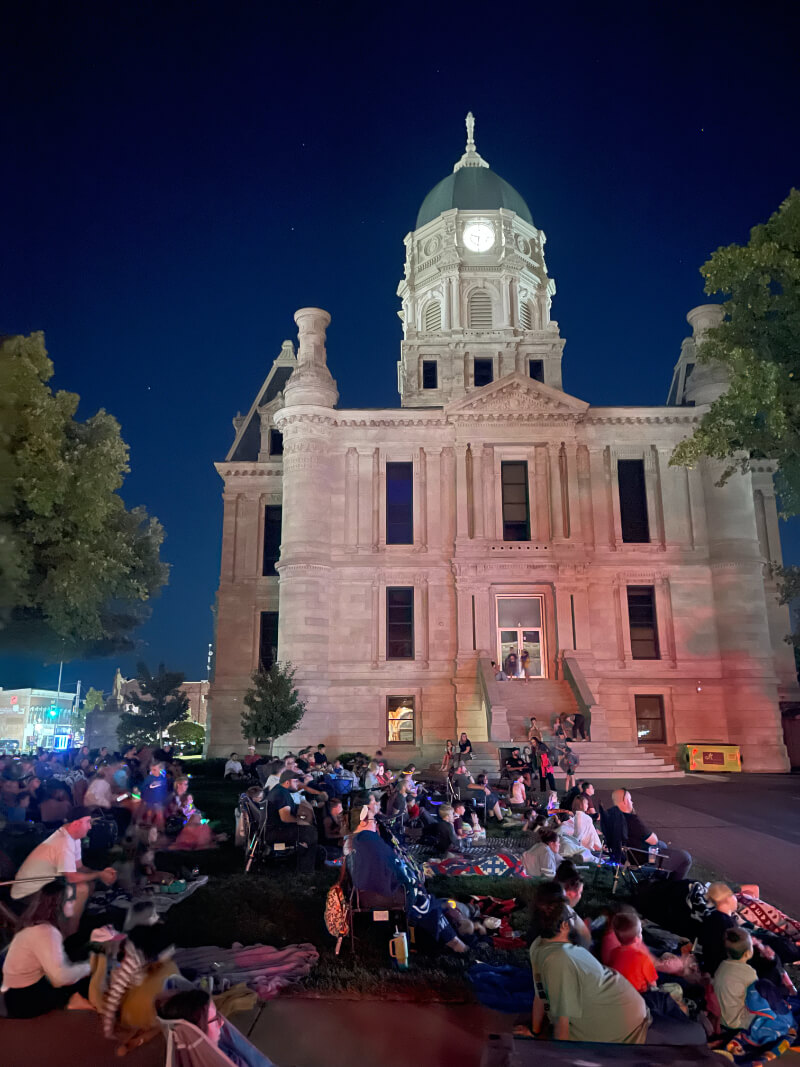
[534, 731]
[578, 726]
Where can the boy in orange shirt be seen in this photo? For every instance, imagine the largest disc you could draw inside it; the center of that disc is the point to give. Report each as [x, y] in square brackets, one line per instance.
[632, 959]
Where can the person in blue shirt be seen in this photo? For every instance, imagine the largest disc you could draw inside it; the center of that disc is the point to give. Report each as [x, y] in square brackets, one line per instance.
[154, 789]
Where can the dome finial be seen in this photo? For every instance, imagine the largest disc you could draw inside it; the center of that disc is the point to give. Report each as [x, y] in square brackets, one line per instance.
[471, 158]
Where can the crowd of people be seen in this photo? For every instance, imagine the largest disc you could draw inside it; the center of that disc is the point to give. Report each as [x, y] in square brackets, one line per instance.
[612, 977]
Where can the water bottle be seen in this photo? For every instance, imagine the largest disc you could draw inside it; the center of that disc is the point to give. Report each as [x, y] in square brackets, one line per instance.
[398, 949]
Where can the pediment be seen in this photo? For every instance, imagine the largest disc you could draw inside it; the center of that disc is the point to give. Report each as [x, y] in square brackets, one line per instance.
[515, 394]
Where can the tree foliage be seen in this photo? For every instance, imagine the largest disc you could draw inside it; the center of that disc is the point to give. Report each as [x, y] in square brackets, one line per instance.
[76, 567]
[189, 733]
[273, 705]
[159, 703]
[94, 699]
[759, 345]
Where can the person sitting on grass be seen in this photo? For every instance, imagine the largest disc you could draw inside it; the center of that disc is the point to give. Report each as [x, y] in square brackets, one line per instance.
[541, 860]
[37, 976]
[568, 877]
[233, 768]
[60, 854]
[724, 917]
[334, 828]
[196, 1006]
[733, 978]
[583, 828]
[586, 1001]
[519, 796]
[493, 808]
[442, 835]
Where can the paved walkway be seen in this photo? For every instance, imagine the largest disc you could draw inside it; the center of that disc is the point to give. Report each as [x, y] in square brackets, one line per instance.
[745, 827]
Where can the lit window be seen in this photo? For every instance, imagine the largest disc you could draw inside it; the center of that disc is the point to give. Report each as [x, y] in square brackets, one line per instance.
[400, 720]
[650, 718]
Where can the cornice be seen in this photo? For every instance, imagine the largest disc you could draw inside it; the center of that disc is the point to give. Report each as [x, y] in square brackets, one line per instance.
[639, 420]
[251, 470]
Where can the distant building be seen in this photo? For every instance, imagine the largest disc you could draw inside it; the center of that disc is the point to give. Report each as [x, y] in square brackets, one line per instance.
[34, 717]
[391, 554]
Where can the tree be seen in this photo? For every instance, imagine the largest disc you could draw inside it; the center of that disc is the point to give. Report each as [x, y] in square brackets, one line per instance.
[759, 345]
[76, 567]
[94, 699]
[159, 703]
[188, 733]
[274, 707]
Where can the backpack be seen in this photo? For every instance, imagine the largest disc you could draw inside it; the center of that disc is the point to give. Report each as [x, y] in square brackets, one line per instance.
[337, 918]
[103, 834]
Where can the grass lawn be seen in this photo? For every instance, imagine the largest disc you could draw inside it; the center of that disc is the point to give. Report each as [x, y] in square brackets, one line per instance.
[280, 907]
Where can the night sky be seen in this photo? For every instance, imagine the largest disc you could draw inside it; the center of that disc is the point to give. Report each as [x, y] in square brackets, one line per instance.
[179, 178]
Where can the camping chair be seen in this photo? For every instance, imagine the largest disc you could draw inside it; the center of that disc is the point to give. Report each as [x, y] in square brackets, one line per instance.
[257, 846]
[627, 862]
[188, 1046]
[360, 902]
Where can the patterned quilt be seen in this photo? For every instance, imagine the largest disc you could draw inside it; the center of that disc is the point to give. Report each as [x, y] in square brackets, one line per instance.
[495, 864]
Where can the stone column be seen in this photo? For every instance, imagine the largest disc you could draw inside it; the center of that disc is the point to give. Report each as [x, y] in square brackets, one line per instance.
[351, 500]
[573, 524]
[477, 492]
[420, 502]
[676, 511]
[585, 494]
[556, 500]
[448, 493]
[488, 490]
[541, 496]
[603, 512]
[748, 666]
[665, 622]
[462, 510]
[655, 512]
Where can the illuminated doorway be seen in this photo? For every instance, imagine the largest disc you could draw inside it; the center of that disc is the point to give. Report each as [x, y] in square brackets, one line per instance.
[520, 629]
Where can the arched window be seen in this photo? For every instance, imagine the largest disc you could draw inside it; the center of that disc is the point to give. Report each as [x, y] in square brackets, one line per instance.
[479, 311]
[525, 317]
[432, 318]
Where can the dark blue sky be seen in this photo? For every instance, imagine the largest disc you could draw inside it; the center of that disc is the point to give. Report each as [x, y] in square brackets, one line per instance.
[178, 178]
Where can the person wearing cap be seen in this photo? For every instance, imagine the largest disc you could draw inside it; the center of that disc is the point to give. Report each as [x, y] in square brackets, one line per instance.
[252, 756]
[60, 854]
[283, 824]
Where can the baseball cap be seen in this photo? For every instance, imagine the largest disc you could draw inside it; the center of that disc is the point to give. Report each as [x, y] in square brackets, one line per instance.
[78, 812]
[289, 776]
[104, 934]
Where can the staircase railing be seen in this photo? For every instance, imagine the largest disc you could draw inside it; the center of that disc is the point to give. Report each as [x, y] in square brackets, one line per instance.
[584, 697]
[497, 728]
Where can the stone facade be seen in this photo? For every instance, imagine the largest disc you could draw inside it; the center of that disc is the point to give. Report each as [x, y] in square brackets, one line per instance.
[342, 528]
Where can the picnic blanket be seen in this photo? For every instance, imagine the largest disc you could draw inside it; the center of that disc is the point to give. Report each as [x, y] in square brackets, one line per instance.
[496, 865]
[503, 988]
[114, 897]
[265, 969]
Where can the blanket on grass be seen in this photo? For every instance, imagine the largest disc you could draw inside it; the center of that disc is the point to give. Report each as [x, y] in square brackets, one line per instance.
[496, 865]
[265, 969]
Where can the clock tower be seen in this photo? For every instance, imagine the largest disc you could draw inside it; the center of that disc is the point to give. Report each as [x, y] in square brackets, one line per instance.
[476, 295]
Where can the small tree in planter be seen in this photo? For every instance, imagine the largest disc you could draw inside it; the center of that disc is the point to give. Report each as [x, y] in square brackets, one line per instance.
[273, 706]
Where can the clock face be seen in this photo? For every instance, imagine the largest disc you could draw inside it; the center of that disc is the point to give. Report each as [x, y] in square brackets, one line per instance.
[479, 235]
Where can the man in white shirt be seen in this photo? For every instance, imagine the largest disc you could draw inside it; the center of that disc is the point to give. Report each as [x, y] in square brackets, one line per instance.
[60, 854]
[233, 768]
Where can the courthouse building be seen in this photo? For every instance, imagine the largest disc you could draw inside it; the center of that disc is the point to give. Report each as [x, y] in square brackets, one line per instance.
[391, 554]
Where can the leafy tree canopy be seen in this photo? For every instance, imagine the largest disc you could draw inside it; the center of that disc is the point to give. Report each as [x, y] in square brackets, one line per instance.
[159, 703]
[94, 699]
[759, 345]
[273, 705]
[190, 733]
[76, 567]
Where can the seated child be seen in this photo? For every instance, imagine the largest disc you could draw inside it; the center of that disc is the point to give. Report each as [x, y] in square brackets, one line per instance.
[631, 959]
[732, 979]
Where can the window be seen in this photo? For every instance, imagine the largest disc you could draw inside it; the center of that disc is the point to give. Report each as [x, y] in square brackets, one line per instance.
[483, 372]
[633, 501]
[400, 622]
[275, 443]
[642, 619]
[400, 720]
[479, 310]
[268, 640]
[525, 319]
[516, 513]
[432, 318]
[399, 503]
[536, 369]
[650, 719]
[430, 374]
[272, 539]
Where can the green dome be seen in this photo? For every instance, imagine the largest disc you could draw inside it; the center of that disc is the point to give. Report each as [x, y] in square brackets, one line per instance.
[472, 189]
